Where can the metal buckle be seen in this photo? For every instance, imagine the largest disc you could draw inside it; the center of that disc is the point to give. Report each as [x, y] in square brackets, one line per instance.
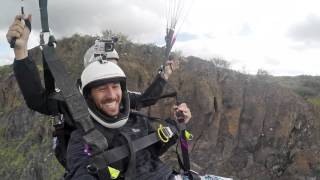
[164, 133]
[92, 169]
[58, 121]
[45, 38]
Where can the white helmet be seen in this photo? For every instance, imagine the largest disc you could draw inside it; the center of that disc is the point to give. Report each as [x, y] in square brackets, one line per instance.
[98, 73]
[98, 51]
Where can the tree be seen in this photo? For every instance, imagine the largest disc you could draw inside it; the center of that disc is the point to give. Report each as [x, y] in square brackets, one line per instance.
[220, 62]
[262, 73]
[122, 37]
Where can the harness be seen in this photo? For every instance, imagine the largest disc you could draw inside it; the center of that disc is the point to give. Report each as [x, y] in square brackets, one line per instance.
[101, 161]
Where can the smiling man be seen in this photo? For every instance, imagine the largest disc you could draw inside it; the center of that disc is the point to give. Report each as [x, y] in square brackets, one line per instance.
[104, 88]
[103, 85]
[107, 98]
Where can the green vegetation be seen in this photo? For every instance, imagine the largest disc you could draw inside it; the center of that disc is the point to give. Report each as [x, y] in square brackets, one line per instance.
[27, 155]
[305, 86]
[314, 101]
[5, 70]
[12, 159]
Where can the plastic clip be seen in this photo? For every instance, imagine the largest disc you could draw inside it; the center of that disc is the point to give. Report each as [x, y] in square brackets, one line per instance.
[114, 173]
[188, 135]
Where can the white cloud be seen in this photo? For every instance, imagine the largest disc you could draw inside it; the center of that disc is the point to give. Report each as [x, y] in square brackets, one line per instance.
[307, 31]
[249, 33]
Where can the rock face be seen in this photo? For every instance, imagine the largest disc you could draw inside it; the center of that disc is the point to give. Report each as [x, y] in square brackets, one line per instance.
[243, 126]
[247, 128]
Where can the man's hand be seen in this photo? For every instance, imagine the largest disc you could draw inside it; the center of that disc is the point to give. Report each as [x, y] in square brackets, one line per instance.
[170, 66]
[182, 113]
[21, 32]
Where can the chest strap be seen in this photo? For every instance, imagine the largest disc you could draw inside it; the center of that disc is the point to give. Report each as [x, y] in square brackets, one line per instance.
[105, 158]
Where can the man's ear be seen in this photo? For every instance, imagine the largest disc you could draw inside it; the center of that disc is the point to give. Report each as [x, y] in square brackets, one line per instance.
[79, 85]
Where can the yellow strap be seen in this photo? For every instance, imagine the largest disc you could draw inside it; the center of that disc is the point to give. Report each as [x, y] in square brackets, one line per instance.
[161, 134]
[114, 173]
[188, 135]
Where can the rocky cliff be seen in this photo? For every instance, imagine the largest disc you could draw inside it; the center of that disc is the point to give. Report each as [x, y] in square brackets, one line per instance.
[244, 126]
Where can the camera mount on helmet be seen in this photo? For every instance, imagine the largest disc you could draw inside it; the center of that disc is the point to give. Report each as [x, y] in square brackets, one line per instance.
[102, 50]
[101, 46]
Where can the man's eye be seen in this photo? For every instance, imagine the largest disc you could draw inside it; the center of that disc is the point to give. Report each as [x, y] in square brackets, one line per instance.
[101, 88]
[116, 86]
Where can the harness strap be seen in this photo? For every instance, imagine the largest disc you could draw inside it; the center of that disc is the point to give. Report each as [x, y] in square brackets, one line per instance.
[184, 151]
[131, 169]
[121, 152]
[44, 15]
[75, 102]
[48, 78]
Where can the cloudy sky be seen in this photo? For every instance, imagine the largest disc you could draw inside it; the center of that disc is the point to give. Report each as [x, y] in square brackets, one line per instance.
[280, 36]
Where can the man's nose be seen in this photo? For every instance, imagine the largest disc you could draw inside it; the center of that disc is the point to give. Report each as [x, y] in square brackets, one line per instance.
[109, 92]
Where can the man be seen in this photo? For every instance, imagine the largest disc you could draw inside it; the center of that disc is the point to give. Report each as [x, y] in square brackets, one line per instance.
[109, 107]
[104, 88]
[38, 99]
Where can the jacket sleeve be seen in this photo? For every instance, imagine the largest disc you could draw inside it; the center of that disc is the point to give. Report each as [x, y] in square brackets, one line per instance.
[28, 79]
[134, 99]
[77, 159]
[150, 96]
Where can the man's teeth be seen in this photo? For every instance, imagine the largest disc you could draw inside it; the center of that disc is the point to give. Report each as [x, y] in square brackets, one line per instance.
[110, 104]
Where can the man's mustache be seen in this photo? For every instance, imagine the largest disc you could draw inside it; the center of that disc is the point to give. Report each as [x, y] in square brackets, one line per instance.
[107, 100]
